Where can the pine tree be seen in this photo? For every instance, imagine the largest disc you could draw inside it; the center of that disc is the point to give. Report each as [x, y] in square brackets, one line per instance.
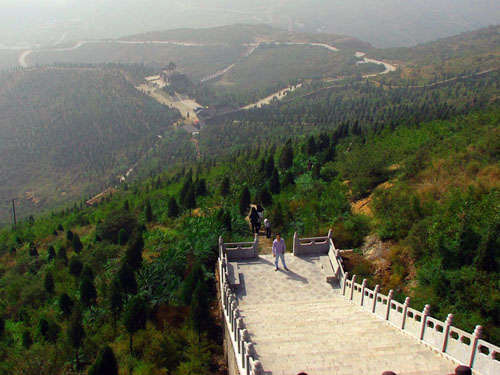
[199, 306]
[105, 363]
[127, 280]
[27, 340]
[225, 187]
[316, 171]
[274, 183]
[289, 179]
[62, 256]
[65, 304]
[286, 158]
[311, 147]
[76, 334]
[277, 216]
[87, 273]
[264, 197]
[173, 208]
[148, 212]
[33, 251]
[270, 166]
[77, 244]
[201, 188]
[190, 199]
[69, 235]
[135, 317]
[133, 255]
[88, 293]
[115, 301]
[245, 201]
[43, 327]
[126, 205]
[48, 282]
[122, 237]
[75, 266]
[2, 326]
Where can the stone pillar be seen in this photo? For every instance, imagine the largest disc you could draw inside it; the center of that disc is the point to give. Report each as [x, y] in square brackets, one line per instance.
[425, 314]
[256, 245]
[330, 234]
[244, 340]
[344, 283]
[405, 312]
[295, 244]
[352, 286]
[447, 325]
[239, 328]
[250, 351]
[389, 301]
[375, 296]
[475, 338]
[363, 286]
[221, 247]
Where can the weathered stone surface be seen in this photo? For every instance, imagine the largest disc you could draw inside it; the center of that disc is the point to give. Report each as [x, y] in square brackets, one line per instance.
[299, 322]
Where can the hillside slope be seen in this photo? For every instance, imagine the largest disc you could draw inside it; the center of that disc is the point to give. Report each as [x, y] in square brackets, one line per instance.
[65, 132]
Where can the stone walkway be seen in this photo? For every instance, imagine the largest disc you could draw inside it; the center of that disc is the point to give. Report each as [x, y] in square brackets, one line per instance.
[299, 322]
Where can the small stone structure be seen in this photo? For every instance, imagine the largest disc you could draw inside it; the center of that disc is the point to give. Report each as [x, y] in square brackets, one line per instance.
[442, 337]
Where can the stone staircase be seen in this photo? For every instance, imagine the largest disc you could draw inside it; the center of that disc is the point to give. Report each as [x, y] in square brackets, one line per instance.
[298, 322]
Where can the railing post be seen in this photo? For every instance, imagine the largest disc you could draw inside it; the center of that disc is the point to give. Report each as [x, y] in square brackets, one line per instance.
[258, 369]
[352, 287]
[363, 286]
[244, 340]
[389, 302]
[330, 234]
[295, 244]
[250, 351]
[425, 314]
[405, 311]
[221, 247]
[346, 276]
[447, 325]
[239, 328]
[256, 245]
[475, 339]
[375, 296]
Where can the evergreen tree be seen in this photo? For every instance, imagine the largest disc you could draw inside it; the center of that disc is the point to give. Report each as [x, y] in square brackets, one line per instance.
[190, 199]
[225, 187]
[76, 334]
[105, 363]
[286, 158]
[60, 228]
[65, 304]
[69, 235]
[126, 205]
[277, 216]
[115, 301]
[133, 256]
[201, 188]
[270, 166]
[75, 266]
[27, 340]
[62, 256]
[122, 237]
[148, 212]
[173, 208]
[88, 293]
[77, 244]
[274, 183]
[311, 147]
[135, 317]
[288, 179]
[43, 328]
[87, 273]
[199, 306]
[48, 282]
[316, 171]
[127, 280]
[245, 201]
[2, 326]
[264, 197]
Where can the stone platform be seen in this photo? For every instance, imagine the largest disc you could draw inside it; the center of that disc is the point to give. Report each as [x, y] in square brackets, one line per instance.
[299, 322]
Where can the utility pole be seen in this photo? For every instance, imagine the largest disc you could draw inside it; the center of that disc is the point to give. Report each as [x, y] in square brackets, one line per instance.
[14, 213]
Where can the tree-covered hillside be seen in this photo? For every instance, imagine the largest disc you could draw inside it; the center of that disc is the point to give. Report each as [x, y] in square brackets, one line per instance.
[66, 132]
[131, 282]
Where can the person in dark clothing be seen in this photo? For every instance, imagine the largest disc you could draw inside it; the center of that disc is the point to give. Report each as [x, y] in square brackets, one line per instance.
[254, 220]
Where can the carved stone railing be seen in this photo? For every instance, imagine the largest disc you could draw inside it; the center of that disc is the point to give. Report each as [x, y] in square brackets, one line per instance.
[239, 250]
[312, 245]
[243, 348]
[463, 347]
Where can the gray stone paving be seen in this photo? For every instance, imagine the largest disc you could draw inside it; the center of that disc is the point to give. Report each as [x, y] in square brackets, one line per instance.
[299, 322]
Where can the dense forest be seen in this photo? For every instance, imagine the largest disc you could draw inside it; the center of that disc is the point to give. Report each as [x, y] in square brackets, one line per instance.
[103, 281]
[67, 131]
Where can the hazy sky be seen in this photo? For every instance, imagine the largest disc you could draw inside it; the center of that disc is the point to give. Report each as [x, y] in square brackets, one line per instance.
[381, 22]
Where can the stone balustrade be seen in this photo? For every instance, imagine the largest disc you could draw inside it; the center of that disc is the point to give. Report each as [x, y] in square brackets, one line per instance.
[312, 245]
[243, 348]
[239, 250]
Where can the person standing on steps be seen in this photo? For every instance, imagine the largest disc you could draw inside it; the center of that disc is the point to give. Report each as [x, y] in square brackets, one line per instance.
[279, 248]
[254, 220]
[267, 226]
